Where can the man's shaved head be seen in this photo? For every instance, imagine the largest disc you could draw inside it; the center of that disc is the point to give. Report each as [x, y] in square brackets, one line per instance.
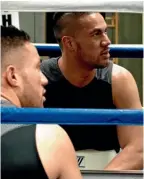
[11, 39]
[67, 23]
[22, 81]
[83, 38]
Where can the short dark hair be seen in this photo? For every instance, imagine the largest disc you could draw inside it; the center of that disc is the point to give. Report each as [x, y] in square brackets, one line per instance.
[57, 26]
[12, 37]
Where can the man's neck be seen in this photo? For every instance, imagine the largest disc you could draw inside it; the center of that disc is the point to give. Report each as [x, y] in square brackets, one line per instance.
[13, 100]
[74, 73]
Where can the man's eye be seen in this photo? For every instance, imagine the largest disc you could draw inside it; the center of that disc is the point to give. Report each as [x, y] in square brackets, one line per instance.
[97, 33]
[100, 32]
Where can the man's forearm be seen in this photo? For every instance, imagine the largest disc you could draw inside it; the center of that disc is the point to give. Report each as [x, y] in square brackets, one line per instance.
[129, 158]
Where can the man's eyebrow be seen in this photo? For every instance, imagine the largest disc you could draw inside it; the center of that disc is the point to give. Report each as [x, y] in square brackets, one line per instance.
[97, 30]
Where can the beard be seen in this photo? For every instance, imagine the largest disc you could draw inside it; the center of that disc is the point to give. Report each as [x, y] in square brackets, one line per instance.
[102, 65]
[91, 62]
[99, 66]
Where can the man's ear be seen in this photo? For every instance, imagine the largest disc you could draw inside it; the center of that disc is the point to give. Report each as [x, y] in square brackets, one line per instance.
[69, 43]
[11, 76]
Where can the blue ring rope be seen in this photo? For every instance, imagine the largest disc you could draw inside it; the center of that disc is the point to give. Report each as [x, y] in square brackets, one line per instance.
[121, 51]
[11, 115]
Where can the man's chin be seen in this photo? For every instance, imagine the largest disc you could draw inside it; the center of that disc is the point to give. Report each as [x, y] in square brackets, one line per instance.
[100, 66]
[104, 63]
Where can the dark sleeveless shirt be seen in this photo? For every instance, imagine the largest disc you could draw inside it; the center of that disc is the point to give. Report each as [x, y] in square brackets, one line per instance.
[60, 93]
[19, 156]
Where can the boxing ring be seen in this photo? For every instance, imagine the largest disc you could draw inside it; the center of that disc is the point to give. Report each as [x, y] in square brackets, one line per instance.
[82, 116]
[79, 116]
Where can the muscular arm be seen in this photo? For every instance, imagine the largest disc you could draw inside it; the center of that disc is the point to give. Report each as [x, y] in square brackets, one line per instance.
[125, 95]
[57, 153]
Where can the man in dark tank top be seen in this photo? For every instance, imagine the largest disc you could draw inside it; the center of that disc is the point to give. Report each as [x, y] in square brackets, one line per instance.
[32, 151]
[85, 77]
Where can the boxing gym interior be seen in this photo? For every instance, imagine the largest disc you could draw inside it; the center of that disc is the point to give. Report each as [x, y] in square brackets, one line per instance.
[123, 28]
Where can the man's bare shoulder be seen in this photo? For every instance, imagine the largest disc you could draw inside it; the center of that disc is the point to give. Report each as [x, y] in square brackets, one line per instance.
[124, 89]
[119, 72]
[51, 142]
[50, 131]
